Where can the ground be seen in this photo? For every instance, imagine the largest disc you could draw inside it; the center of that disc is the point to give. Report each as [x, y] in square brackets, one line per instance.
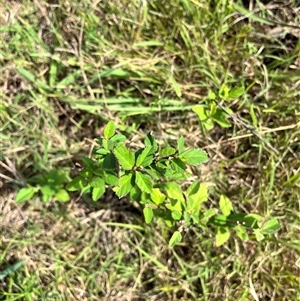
[67, 67]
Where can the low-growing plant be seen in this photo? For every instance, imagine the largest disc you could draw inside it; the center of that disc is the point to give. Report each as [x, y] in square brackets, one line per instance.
[154, 177]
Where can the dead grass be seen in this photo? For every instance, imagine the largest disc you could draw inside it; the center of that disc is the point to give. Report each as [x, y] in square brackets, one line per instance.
[145, 65]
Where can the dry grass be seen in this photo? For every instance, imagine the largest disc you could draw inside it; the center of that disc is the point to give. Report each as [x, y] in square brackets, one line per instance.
[90, 63]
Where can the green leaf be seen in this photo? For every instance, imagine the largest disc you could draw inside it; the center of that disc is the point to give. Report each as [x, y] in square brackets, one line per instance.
[259, 236]
[193, 188]
[118, 138]
[57, 177]
[77, 184]
[246, 220]
[222, 236]
[211, 95]
[162, 165]
[208, 124]
[213, 109]
[98, 193]
[99, 172]
[48, 190]
[174, 191]
[154, 173]
[204, 117]
[144, 182]
[256, 217]
[146, 201]
[150, 141]
[146, 157]
[195, 200]
[25, 194]
[167, 151]
[169, 223]
[86, 173]
[62, 195]
[148, 214]
[175, 239]
[108, 144]
[225, 205]
[109, 130]
[86, 189]
[97, 182]
[251, 220]
[177, 165]
[125, 157]
[196, 218]
[176, 215]
[180, 145]
[221, 118]
[135, 194]
[111, 178]
[241, 232]
[110, 162]
[201, 112]
[207, 215]
[174, 205]
[46, 197]
[187, 218]
[218, 220]
[88, 162]
[224, 92]
[157, 196]
[125, 186]
[236, 92]
[102, 151]
[194, 156]
[270, 227]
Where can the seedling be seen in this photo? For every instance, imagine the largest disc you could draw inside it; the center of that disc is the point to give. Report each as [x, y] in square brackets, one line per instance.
[153, 177]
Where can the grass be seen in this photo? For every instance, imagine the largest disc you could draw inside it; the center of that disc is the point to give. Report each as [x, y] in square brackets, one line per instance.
[68, 67]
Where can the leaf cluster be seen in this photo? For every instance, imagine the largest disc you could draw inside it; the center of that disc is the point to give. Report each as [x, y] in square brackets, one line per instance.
[151, 175]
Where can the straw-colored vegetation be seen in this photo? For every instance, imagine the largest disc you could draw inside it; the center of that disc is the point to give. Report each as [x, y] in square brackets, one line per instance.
[67, 67]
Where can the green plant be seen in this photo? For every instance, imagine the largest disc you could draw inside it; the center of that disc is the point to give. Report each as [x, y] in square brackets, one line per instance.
[51, 185]
[209, 113]
[150, 176]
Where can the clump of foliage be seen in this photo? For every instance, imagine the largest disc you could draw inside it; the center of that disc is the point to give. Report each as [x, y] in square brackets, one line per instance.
[150, 176]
